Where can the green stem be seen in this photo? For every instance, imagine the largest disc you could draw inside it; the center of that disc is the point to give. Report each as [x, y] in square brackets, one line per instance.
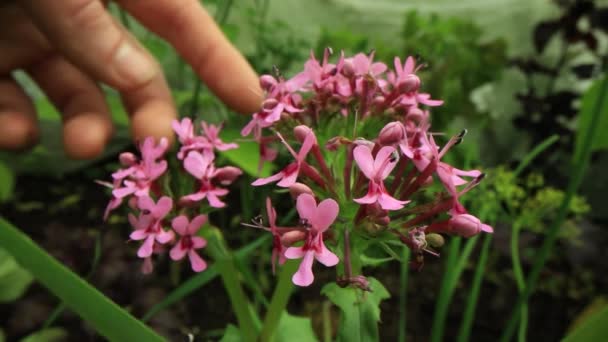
[279, 300]
[519, 279]
[327, 327]
[469, 313]
[441, 307]
[579, 168]
[405, 258]
[228, 271]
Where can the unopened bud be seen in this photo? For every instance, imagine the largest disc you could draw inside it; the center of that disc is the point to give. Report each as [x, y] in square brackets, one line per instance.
[468, 225]
[415, 114]
[267, 82]
[392, 133]
[435, 240]
[348, 68]
[269, 104]
[226, 175]
[301, 132]
[289, 238]
[410, 83]
[298, 188]
[127, 159]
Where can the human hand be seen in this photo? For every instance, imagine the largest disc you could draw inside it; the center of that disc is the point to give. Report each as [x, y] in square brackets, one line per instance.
[68, 47]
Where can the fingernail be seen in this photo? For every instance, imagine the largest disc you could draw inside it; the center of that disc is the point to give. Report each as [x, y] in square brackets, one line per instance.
[131, 64]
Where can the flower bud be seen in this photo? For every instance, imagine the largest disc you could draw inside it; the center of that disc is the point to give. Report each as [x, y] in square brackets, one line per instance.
[435, 240]
[298, 188]
[226, 175]
[378, 101]
[127, 159]
[415, 114]
[269, 104]
[392, 133]
[289, 238]
[410, 83]
[468, 225]
[267, 82]
[301, 132]
[348, 68]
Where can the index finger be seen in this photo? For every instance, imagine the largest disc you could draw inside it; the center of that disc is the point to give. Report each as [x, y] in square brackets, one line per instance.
[195, 35]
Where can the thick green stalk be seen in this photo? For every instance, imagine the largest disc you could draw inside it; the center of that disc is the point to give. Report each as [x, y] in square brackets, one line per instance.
[405, 258]
[109, 319]
[579, 168]
[443, 300]
[469, 313]
[228, 271]
[279, 300]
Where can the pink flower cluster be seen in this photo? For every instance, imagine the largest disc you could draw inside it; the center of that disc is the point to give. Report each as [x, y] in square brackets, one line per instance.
[155, 219]
[395, 167]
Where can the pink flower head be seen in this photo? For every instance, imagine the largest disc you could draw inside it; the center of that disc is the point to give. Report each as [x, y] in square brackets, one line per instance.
[289, 174]
[189, 242]
[212, 138]
[202, 168]
[148, 226]
[138, 175]
[377, 170]
[317, 220]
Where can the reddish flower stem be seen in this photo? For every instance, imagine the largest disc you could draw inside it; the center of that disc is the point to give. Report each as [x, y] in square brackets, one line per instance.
[424, 175]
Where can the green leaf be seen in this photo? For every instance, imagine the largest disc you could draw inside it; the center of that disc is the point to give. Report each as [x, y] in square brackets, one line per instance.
[594, 328]
[7, 182]
[2, 336]
[47, 335]
[592, 98]
[247, 156]
[105, 316]
[360, 310]
[14, 280]
[232, 334]
[294, 329]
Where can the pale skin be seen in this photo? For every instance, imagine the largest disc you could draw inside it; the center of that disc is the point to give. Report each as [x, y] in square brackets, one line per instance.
[70, 47]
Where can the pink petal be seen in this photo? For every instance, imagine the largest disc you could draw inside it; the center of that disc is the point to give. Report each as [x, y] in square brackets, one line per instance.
[326, 257]
[198, 242]
[198, 264]
[196, 224]
[365, 161]
[178, 252]
[264, 181]
[179, 224]
[486, 228]
[272, 214]
[294, 252]
[387, 202]
[125, 191]
[195, 197]
[306, 206]
[163, 207]
[369, 198]
[195, 164]
[214, 201]
[326, 214]
[139, 234]
[378, 68]
[147, 267]
[398, 66]
[146, 248]
[304, 276]
[289, 178]
[384, 154]
[309, 142]
[408, 67]
[164, 236]
[146, 203]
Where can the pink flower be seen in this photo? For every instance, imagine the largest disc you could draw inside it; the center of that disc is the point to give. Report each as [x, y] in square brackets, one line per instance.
[185, 133]
[189, 242]
[148, 226]
[377, 170]
[212, 138]
[317, 220]
[289, 174]
[201, 166]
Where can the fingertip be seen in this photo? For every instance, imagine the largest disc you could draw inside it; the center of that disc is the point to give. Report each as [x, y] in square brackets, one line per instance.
[85, 135]
[153, 119]
[18, 131]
